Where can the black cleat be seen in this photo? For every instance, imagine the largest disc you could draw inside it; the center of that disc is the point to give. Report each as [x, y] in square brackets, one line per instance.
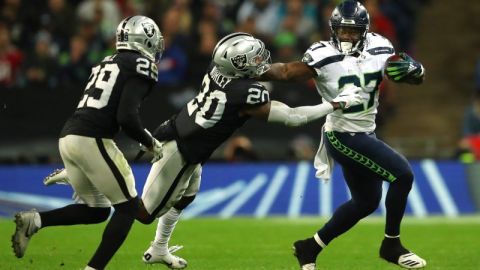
[306, 252]
[393, 251]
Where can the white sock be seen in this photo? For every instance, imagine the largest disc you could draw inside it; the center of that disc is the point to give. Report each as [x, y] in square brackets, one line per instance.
[89, 268]
[390, 236]
[37, 220]
[165, 227]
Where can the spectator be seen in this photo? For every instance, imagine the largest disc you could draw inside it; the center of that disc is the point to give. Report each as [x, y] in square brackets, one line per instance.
[40, 67]
[105, 12]
[58, 19]
[299, 17]
[10, 58]
[285, 44]
[265, 15]
[469, 145]
[302, 147]
[75, 64]
[172, 68]
[380, 23]
[239, 148]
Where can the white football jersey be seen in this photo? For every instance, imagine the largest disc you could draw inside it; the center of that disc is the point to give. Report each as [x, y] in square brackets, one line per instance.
[335, 71]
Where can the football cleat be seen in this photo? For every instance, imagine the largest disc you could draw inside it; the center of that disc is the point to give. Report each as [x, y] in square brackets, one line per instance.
[411, 261]
[171, 261]
[393, 251]
[305, 257]
[58, 176]
[25, 228]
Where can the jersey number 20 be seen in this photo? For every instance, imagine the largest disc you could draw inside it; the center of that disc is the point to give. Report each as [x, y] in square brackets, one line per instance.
[208, 106]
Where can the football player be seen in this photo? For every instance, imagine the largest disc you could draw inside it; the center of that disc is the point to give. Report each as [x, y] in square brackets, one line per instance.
[229, 96]
[355, 56]
[96, 168]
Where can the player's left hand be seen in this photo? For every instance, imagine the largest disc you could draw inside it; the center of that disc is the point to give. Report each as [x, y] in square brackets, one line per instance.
[156, 149]
[402, 68]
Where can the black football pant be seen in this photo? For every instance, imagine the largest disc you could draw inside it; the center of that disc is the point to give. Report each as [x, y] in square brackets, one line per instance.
[366, 162]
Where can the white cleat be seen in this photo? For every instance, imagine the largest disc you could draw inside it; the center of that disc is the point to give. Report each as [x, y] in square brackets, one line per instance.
[25, 228]
[310, 266]
[58, 176]
[411, 261]
[171, 261]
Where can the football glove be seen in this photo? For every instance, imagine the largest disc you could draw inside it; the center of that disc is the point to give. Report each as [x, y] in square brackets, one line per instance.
[403, 69]
[156, 149]
[349, 97]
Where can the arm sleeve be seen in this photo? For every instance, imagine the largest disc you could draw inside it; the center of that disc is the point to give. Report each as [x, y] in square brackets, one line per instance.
[166, 131]
[136, 88]
[281, 113]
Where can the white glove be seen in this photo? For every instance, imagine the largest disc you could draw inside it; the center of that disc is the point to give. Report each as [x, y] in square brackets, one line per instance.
[156, 149]
[351, 96]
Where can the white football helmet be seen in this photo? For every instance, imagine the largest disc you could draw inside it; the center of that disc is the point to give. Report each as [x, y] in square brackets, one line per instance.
[141, 34]
[241, 55]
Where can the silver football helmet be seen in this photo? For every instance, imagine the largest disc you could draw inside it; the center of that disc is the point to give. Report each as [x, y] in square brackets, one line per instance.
[241, 55]
[141, 34]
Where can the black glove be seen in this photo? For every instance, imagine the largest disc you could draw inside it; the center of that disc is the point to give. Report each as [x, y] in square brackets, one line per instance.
[403, 69]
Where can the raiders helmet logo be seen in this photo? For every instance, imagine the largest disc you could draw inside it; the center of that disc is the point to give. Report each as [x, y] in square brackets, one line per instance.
[239, 61]
[307, 58]
[149, 29]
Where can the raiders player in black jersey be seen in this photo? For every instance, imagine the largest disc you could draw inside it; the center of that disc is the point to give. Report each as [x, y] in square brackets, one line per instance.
[97, 170]
[228, 98]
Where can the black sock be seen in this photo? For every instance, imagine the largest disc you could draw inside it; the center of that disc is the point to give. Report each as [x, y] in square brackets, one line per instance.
[74, 214]
[395, 203]
[391, 249]
[115, 233]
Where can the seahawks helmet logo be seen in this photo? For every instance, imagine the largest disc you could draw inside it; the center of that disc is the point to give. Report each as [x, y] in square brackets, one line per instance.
[239, 61]
[149, 29]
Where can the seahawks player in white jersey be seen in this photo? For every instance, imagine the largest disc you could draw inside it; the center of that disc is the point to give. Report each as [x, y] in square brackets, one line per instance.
[96, 168]
[228, 97]
[357, 57]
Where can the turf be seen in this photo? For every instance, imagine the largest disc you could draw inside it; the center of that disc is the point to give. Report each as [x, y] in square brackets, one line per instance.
[260, 244]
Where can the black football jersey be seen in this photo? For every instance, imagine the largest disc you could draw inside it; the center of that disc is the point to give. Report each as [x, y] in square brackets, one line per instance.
[96, 113]
[215, 113]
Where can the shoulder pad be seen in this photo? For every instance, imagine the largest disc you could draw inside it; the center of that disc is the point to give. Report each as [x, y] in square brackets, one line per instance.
[139, 65]
[377, 44]
[250, 92]
[320, 54]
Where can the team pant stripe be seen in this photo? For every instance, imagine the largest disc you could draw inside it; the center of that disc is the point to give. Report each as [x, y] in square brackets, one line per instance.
[113, 168]
[170, 190]
[363, 160]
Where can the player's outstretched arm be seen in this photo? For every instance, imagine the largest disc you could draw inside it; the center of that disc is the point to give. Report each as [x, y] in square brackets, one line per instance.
[278, 112]
[292, 71]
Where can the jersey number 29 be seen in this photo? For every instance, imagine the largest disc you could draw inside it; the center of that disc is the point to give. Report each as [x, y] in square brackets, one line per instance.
[99, 87]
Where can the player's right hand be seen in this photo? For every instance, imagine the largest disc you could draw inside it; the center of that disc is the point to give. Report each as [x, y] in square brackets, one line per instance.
[349, 97]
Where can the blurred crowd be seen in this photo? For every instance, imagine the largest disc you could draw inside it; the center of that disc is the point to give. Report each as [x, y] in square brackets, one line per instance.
[48, 45]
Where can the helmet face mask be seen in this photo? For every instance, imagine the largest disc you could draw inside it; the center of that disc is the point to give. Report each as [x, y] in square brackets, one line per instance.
[241, 55]
[349, 25]
[141, 34]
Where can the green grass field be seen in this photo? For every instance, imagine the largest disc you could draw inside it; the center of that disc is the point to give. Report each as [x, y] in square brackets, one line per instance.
[244, 244]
